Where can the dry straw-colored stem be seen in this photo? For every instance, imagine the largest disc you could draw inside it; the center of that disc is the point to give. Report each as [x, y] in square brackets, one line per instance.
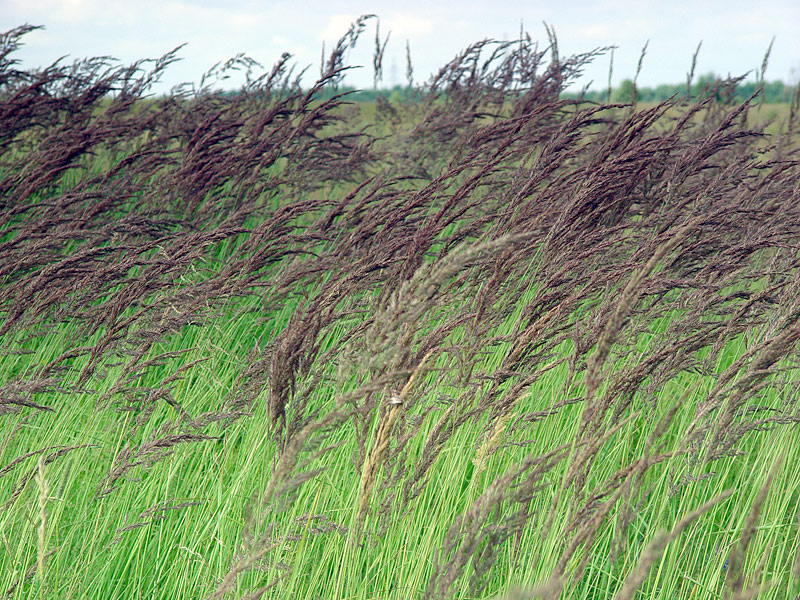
[41, 547]
[380, 445]
[492, 441]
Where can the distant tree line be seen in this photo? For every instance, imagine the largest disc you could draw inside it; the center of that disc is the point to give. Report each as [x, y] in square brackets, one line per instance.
[703, 86]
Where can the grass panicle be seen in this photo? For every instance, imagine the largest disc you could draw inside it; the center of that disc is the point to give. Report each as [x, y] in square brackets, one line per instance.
[487, 340]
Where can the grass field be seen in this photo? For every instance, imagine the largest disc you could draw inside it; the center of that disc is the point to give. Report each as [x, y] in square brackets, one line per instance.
[493, 343]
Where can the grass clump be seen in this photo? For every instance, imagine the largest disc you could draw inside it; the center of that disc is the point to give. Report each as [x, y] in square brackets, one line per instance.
[493, 342]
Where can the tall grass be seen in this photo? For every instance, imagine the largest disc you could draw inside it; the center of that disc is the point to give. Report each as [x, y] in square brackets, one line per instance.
[490, 342]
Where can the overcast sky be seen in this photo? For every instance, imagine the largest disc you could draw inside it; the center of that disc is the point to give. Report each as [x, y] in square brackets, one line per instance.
[735, 34]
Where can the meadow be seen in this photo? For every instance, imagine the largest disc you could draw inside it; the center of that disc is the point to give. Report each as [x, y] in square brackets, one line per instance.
[494, 342]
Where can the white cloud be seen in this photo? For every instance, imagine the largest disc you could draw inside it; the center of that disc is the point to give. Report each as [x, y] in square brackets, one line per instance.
[596, 32]
[408, 25]
[58, 10]
[336, 27]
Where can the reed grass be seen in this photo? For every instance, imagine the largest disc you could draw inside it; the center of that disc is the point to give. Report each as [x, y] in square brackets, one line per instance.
[489, 343]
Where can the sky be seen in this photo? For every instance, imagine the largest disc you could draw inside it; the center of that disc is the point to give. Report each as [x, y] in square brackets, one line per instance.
[735, 34]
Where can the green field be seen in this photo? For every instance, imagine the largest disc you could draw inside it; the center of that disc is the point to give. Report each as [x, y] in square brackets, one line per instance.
[489, 343]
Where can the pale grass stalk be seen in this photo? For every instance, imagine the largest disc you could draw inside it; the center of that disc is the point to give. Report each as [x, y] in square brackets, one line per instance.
[41, 547]
[488, 446]
[380, 445]
[492, 442]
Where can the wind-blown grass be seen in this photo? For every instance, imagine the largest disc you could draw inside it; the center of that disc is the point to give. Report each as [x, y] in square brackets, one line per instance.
[496, 342]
